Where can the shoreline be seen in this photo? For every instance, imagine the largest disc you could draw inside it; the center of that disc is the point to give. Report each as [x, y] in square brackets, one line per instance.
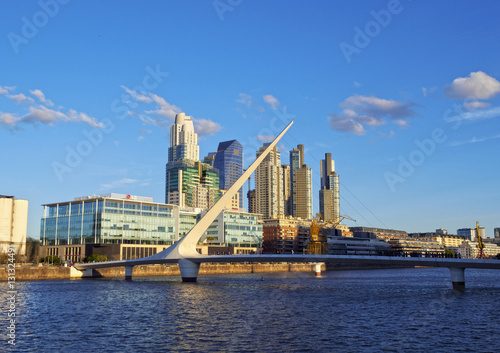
[32, 273]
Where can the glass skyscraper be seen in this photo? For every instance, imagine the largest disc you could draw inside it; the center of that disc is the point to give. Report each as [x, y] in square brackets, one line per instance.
[229, 161]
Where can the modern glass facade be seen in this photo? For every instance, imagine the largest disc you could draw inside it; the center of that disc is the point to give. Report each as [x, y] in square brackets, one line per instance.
[229, 161]
[192, 184]
[108, 220]
[235, 228]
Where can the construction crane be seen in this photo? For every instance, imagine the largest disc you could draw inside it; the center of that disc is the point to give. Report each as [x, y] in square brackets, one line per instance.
[318, 244]
[480, 244]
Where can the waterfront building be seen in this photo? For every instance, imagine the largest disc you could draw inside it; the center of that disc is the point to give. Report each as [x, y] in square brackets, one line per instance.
[417, 247]
[441, 231]
[285, 235]
[269, 185]
[300, 185]
[127, 221]
[468, 249]
[236, 229]
[379, 233]
[13, 224]
[497, 235]
[124, 227]
[228, 160]
[329, 194]
[471, 233]
[287, 190]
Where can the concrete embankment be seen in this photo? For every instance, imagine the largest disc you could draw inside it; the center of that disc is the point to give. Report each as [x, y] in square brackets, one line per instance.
[51, 273]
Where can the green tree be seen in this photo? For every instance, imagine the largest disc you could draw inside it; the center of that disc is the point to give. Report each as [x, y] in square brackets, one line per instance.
[52, 260]
[448, 253]
[96, 258]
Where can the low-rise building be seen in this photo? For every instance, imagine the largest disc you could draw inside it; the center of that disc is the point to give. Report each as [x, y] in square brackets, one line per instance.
[127, 227]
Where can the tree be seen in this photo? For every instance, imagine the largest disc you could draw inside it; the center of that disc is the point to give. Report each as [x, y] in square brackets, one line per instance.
[54, 260]
[96, 258]
[32, 250]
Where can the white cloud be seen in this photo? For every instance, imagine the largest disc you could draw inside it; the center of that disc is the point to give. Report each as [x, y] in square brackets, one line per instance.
[206, 127]
[119, 183]
[476, 115]
[477, 85]
[476, 105]
[265, 138]
[357, 84]
[140, 138]
[21, 98]
[145, 131]
[38, 113]
[344, 124]
[361, 111]
[47, 116]
[163, 108]
[137, 96]
[8, 119]
[473, 140]
[245, 99]
[41, 97]
[272, 101]
[5, 89]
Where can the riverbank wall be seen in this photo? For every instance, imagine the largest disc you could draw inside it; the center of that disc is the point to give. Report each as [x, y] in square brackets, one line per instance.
[52, 273]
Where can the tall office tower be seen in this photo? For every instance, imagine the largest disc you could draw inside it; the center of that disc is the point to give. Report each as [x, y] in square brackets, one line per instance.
[183, 140]
[329, 195]
[300, 185]
[287, 190]
[229, 161]
[189, 183]
[252, 203]
[497, 234]
[269, 185]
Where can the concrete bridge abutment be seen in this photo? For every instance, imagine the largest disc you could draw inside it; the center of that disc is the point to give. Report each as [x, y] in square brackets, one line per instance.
[128, 272]
[189, 270]
[457, 277]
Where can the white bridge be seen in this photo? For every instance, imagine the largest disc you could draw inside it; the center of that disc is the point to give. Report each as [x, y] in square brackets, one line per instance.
[184, 251]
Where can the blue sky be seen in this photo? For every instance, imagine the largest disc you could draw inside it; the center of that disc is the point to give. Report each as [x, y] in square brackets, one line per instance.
[405, 95]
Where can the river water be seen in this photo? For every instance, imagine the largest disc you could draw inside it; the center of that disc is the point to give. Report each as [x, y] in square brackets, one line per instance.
[396, 310]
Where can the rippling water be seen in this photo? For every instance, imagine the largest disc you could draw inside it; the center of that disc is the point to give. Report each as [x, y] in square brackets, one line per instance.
[343, 311]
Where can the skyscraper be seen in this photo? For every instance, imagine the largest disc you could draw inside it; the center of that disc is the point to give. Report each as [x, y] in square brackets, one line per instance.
[287, 190]
[329, 195]
[300, 185]
[189, 183]
[269, 184]
[229, 161]
[183, 140]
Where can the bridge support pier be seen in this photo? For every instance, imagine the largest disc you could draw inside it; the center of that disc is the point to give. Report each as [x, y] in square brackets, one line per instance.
[128, 272]
[317, 268]
[189, 270]
[458, 277]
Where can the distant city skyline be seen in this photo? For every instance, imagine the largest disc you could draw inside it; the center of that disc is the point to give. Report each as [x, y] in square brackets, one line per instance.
[404, 95]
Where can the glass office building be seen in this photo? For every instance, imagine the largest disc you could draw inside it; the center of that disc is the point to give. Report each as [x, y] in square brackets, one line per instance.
[109, 219]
